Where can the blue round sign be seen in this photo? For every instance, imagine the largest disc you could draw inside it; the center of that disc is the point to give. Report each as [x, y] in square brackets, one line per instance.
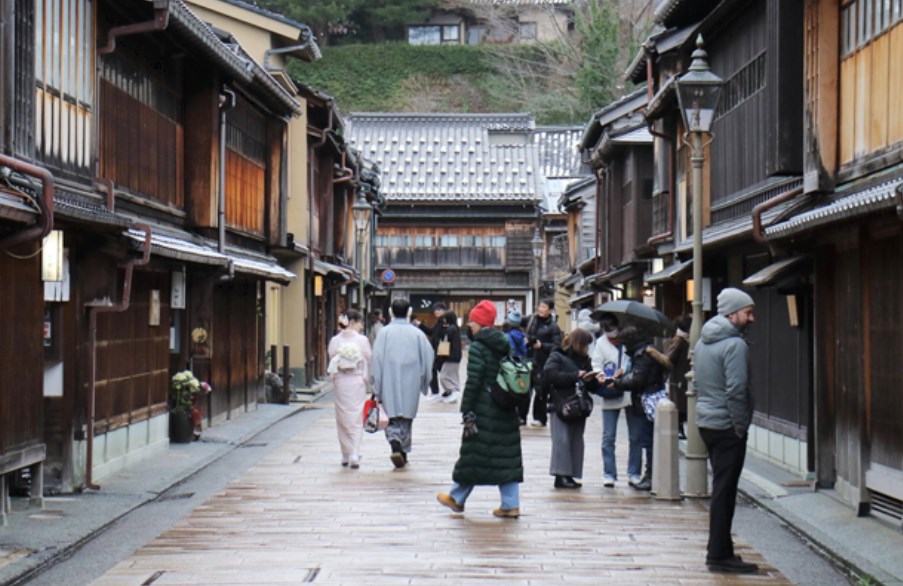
[388, 276]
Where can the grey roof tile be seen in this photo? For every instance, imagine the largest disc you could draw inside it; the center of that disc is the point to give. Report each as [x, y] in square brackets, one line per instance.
[451, 157]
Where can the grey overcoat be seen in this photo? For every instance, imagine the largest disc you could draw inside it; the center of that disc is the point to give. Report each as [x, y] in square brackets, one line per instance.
[401, 367]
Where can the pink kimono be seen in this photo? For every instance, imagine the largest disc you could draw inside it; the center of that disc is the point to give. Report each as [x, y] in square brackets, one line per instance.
[350, 393]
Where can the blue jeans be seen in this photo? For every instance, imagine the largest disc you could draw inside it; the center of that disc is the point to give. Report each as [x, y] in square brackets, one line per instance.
[509, 491]
[609, 433]
[640, 431]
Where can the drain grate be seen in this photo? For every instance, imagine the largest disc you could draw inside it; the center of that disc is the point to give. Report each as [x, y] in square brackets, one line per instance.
[153, 578]
[175, 497]
[311, 575]
[887, 506]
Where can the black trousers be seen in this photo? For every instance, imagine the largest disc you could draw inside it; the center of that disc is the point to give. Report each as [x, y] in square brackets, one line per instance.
[727, 453]
[540, 398]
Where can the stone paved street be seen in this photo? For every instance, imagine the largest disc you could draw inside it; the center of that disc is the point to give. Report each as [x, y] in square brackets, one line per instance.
[299, 516]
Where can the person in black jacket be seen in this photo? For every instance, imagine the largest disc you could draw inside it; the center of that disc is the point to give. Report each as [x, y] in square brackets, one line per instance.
[433, 333]
[543, 335]
[648, 373]
[564, 368]
[449, 381]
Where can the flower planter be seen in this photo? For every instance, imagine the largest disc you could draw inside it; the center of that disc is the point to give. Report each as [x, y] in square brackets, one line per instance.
[181, 428]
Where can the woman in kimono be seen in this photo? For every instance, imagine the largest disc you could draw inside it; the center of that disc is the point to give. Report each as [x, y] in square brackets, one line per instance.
[349, 365]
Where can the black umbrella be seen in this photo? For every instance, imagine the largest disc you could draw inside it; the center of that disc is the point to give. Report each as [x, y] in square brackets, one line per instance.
[633, 313]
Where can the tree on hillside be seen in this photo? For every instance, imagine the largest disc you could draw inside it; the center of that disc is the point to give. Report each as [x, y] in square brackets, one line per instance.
[581, 69]
[373, 20]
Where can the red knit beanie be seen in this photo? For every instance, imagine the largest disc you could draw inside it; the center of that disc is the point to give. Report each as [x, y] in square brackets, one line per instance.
[483, 313]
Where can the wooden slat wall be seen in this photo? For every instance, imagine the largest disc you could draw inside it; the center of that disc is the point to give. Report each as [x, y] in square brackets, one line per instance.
[140, 148]
[870, 118]
[133, 356]
[236, 371]
[885, 322]
[245, 193]
[21, 316]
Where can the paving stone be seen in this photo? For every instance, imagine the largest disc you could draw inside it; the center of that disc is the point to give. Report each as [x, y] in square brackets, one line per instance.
[290, 520]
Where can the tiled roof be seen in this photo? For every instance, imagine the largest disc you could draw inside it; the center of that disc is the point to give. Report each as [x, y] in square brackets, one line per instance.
[201, 36]
[450, 157]
[558, 152]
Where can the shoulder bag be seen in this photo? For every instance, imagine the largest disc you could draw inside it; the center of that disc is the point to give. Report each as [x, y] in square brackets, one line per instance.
[576, 407]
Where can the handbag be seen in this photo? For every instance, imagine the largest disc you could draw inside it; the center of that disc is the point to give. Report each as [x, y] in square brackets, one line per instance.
[576, 407]
[650, 402]
[444, 348]
[375, 416]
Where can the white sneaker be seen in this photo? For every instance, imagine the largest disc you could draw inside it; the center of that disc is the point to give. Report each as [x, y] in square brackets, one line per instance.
[634, 480]
[431, 397]
[452, 398]
[537, 423]
[608, 481]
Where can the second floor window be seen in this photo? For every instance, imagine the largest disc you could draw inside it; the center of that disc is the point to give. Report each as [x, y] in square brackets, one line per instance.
[64, 76]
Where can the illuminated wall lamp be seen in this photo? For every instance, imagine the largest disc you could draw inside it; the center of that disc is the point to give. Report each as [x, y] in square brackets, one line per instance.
[52, 257]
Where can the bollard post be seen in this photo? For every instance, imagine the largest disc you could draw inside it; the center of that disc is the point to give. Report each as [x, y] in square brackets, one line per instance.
[286, 376]
[696, 455]
[273, 359]
[665, 462]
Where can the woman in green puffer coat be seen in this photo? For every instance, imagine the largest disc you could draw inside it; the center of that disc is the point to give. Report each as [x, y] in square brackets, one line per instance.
[490, 444]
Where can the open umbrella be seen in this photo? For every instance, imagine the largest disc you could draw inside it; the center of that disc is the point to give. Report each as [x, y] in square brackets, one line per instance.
[644, 318]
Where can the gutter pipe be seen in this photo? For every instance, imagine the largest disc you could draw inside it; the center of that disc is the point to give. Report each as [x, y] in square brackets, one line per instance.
[44, 203]
[95, 307]
[290, 49]
[159, 23]
[758, 231]
[225, 106]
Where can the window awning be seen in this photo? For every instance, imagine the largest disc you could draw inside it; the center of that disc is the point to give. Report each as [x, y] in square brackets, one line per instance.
[768, 275]
[617, 275]
[325, 268]
[670, 273]
[199, 253]
[581, 298]
[16, 209]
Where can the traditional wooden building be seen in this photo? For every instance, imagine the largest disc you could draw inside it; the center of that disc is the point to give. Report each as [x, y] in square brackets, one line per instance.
[479, 169]
[755, 154]
[494, 21]
[166, 140]
[618, 147]
[850, 228]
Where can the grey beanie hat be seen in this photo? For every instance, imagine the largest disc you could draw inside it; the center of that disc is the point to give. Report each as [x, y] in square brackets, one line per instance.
[731, 300]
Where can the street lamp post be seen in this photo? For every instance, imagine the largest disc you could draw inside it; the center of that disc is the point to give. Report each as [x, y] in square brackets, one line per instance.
[361, 211]
[698, 91]
[536, 244]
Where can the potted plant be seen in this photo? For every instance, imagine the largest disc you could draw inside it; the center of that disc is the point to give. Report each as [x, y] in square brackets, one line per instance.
[182, 389]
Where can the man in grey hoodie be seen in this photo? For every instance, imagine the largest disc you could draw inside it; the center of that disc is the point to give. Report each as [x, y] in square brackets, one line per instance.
[723, 413]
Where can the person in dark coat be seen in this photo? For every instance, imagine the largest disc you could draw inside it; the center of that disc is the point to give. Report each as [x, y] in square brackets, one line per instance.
[564, 368]
[490, 444]
[647, 374]
[678, 352]
[543, 335]
[434, 334]
[449, 381]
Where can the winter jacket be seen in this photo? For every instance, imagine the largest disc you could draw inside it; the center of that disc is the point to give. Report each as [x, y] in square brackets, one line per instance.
[493, 455]
[518, 340]
[608, 359]
[447, 329]
[560, 374]
[721, 371]
[546, 330]
[648, 372]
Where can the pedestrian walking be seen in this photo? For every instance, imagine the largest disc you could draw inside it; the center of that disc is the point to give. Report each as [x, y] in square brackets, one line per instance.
[490, 443]
[567, 367]
[678, 352]
[349, 364]
[543, 335]
[515, 332]
[433, 333]
[610, 359]
[647, 375]
[377, 321]
[448, 356]
[401, 369]
[724, 411]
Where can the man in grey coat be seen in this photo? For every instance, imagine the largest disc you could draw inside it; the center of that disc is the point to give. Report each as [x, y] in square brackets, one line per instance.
[724, 412]
[401, 368]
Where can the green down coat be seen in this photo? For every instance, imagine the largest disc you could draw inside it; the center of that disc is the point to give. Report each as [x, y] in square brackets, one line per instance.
[492, 456]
